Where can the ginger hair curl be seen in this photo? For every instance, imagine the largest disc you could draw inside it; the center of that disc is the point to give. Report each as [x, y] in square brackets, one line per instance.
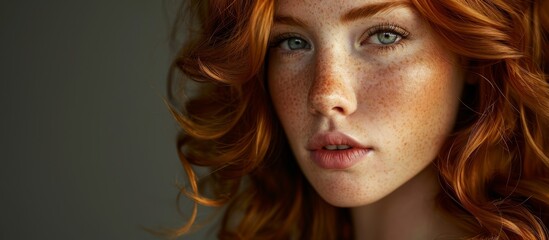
[494, 168]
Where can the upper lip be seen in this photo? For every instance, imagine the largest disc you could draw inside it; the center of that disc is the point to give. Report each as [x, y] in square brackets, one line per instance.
[320, 140]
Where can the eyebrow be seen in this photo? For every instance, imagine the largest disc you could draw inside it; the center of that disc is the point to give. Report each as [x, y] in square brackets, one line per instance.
[352, 15]
[371, 9]
[287, 20]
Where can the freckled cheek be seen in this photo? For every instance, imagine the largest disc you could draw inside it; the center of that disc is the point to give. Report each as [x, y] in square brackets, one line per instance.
[418, 87]
[416, 100]
[288, 94]
[384, 92]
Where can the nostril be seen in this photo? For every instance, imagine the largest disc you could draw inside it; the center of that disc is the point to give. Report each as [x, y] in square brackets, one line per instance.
[328, 105]
[339, 109]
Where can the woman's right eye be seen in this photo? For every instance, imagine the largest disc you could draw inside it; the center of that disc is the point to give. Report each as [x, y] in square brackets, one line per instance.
[293, 43]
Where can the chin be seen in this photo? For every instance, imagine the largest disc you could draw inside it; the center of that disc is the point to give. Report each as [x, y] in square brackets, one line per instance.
[350, 202]
[351, 196]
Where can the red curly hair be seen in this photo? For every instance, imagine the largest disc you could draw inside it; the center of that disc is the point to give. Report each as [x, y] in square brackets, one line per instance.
[494, 168]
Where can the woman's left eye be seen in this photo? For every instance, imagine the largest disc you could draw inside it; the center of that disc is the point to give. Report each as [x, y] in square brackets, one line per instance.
[384, 35]
[385, 38]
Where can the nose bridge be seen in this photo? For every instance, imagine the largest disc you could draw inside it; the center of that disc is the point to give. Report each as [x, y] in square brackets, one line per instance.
[332, 90]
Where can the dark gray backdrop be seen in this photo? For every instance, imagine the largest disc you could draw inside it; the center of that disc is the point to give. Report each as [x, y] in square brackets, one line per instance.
[87, 148]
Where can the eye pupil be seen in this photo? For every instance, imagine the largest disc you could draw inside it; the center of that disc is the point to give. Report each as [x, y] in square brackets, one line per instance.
[296, 43]
[387, 38]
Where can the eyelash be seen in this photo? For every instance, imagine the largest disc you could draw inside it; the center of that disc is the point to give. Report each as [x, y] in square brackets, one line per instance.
[386, 28]
[277, 40]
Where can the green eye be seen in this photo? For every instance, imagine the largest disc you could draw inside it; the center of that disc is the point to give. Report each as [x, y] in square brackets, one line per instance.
[384, 35]
[386, 38]
[295, 43]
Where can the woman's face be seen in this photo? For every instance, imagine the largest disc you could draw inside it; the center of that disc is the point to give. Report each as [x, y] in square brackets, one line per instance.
[365, 92]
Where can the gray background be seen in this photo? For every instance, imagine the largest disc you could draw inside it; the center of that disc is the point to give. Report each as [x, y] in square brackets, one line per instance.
[87, 144]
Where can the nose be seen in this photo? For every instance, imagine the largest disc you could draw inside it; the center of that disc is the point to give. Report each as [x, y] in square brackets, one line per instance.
[332, 92]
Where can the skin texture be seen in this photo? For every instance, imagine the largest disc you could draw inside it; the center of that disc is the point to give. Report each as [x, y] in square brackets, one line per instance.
[400, 99]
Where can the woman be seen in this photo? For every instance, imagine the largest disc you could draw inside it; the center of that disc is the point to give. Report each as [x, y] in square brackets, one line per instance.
[368, 119]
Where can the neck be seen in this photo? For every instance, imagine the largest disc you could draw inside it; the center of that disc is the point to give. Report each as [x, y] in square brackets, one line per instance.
[407, 213]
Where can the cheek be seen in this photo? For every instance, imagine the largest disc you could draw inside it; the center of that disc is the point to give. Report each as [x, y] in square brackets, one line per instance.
[415, 101]
[287, 94]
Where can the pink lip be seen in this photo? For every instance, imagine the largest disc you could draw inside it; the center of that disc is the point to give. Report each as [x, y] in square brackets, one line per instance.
[336, 159]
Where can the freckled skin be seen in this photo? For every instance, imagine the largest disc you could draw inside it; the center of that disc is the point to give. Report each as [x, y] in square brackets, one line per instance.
[402, 101]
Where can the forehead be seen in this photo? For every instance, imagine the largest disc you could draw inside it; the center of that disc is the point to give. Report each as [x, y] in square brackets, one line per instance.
[342, 13]
[325, 8]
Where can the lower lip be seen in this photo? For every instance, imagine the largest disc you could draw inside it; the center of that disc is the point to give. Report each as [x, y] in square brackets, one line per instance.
[338, 159]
